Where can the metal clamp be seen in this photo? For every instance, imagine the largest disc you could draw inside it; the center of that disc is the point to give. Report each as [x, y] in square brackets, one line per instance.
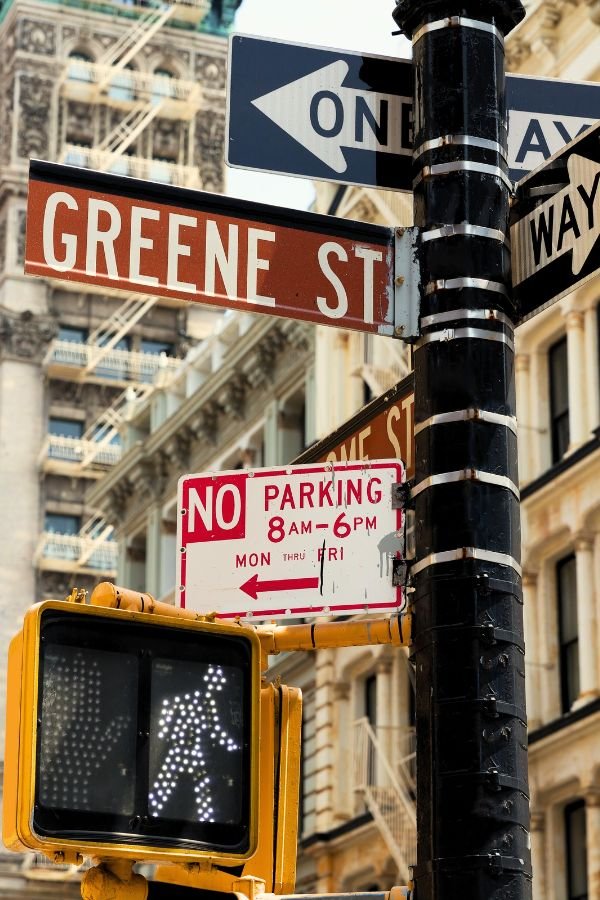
[489, 315]
[401, 495]
[448, 231]
[468, 415]
[452, 334]
[463, 553]
[466, 475]
[463, 165]
[457, 22]
[454, 284]
[465, 140]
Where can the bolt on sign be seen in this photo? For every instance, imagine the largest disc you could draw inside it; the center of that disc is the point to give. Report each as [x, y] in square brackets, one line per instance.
[117, 232]
[292, 541]
[381, 429]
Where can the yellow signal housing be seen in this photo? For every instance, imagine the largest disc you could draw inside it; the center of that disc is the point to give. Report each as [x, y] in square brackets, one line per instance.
[134, 736]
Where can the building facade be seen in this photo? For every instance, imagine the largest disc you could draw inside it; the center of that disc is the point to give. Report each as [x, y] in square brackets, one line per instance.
[132, 88]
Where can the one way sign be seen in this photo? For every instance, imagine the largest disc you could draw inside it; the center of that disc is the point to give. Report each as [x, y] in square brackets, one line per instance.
[342, 116]
[556, 225]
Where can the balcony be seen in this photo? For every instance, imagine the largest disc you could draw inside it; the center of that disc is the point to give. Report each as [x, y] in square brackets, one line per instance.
[77, 456]
[72, 361]
[92, 82]
[73, 553]
[133, 166]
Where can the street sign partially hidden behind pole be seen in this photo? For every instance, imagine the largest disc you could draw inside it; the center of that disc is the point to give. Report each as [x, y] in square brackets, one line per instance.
[382, 429]
[342, 116]
[116, 232]
[556, 226]
[291, 541]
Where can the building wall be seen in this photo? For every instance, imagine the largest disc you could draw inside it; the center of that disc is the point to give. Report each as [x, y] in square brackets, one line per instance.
[46, 107]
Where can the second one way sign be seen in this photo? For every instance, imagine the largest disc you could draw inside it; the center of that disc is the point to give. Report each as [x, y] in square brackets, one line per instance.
[294, 541]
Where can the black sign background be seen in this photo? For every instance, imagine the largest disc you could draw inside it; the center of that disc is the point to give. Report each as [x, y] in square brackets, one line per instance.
[556, 279]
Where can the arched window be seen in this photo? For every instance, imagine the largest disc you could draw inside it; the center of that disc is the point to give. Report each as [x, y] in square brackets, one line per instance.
[162, 85]
[122, 84]
[79, 66]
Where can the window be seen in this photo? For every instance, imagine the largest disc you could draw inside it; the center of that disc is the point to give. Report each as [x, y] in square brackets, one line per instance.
[79, 66]
[576, 851]
[122, 85]
[71, 428]
[162, 85]
[61, 523]
[559, 399]
[568, 634]
[72, 334]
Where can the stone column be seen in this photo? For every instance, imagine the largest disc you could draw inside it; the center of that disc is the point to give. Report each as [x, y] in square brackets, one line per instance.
[522, 379]
[593, 376]
[586, 619]
[592, 828]
[24, 338]
[324, 767]
[578, 431]
[384, 715]
[538, 854]
[343, 744]
[153, 548]
[533, 649]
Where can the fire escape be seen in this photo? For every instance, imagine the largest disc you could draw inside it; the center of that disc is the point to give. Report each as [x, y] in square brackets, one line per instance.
[385, 781]
[139, 98]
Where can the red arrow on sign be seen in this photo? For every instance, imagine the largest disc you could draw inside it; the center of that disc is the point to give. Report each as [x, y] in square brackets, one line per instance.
[253, 586]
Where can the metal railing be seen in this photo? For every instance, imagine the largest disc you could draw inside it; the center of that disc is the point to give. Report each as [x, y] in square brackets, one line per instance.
[79, 451]
[132, 166]
[123, 365]
[129, 85]
[388, 789]
[69, 552]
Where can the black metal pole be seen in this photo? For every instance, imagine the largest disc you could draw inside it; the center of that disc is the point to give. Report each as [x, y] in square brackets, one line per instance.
[472, 788]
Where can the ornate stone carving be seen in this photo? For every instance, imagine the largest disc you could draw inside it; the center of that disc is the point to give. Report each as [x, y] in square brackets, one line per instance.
[37, 36]
[80, 123]
[165, 140]
[205, 425]
[35, 95]
[265, 358]
[21, 224]
[208, 156]
[211, 72]
[118, 497]
[2, 244]
[517, 51]
[234, 398]
[177, 450]
[6, 120]
[594, 11]
[25, 335]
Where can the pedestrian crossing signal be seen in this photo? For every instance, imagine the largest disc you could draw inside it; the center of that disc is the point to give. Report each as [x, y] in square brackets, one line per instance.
[132, 735]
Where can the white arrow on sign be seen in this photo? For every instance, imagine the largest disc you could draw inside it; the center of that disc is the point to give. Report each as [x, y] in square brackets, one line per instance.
[570, 220]
[322, 116]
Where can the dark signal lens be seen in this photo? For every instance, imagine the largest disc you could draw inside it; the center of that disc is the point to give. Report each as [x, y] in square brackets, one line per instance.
[88, 730]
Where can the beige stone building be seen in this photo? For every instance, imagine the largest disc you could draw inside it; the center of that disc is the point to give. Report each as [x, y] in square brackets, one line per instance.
[133, 88]
[257, 391]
